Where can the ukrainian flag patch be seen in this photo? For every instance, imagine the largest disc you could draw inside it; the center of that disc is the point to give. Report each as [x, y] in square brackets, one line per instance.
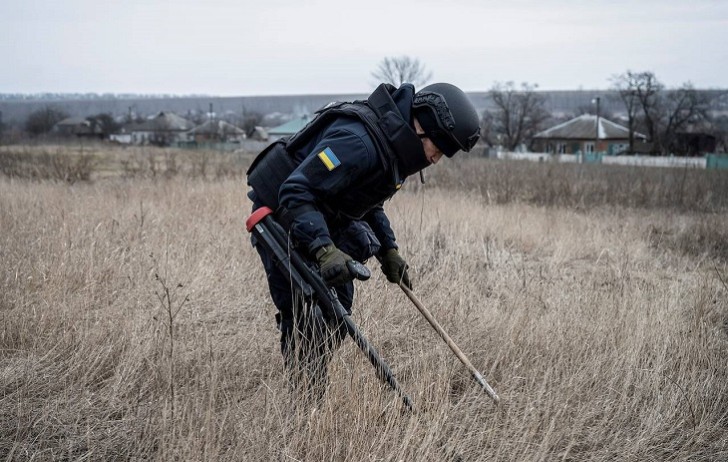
[329, 159]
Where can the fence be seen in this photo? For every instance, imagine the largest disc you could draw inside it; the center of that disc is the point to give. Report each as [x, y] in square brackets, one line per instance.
[650, 161]
[717, 161]
[710, 161]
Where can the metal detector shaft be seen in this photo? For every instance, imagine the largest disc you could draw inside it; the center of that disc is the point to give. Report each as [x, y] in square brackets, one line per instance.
[461, 356]
[272, 236]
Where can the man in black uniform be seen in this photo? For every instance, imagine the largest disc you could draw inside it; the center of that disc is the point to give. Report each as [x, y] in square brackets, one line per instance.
[328, 184]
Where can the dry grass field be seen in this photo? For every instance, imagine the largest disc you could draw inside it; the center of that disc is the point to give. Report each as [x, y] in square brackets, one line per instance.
[136, 322]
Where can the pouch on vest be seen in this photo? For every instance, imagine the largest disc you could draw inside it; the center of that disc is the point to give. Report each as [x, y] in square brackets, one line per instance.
[268, 172]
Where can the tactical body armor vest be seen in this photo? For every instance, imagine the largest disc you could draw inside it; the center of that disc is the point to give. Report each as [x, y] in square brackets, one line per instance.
[378, 113]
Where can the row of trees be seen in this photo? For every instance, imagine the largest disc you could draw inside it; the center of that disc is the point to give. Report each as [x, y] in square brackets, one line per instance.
[519, 112]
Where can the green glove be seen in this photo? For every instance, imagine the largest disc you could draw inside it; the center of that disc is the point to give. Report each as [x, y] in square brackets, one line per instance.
[332, 263]
[395, 268]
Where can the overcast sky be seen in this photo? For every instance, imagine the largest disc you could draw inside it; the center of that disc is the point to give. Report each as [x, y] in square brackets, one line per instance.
[269, 47]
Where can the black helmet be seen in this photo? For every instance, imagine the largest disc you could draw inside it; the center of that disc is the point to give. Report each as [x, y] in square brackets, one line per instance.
[448, 117]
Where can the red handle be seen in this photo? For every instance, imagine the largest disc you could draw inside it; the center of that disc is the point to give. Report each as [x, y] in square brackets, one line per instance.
[256, 216]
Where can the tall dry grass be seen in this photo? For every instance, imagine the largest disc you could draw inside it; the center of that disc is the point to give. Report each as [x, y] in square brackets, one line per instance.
[583, 186]
[85, 161]
[136, 325]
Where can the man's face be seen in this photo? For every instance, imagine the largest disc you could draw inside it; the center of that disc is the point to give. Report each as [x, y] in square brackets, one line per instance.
[432, 153]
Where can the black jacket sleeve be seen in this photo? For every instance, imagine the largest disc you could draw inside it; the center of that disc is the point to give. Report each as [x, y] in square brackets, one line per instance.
[379, 222]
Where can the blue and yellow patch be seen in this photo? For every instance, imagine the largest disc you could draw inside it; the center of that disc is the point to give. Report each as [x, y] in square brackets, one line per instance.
[329, 159]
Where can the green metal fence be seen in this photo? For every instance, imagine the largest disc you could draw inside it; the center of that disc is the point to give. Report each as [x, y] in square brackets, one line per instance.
[717, 161]
[592, 158]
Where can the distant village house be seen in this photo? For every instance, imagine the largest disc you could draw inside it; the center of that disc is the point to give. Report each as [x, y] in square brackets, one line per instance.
[216, 131]
[581, 135]
[78, 126]
[164, 129]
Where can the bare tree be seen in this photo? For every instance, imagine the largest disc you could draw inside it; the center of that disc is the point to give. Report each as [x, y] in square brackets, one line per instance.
[720, 131]
[250, 121]
[718, 120]
[518, 115]
[43, 120]
[104, 124]
[402, 69]
[625, 84]
[647, 90]
[683, 107]
[662, 113]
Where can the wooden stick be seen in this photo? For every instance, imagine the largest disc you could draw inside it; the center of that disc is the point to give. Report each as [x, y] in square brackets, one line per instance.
[461, 356]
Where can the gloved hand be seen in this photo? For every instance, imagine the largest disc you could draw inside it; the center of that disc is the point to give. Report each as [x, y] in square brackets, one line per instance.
[395, 268]
[332, 263]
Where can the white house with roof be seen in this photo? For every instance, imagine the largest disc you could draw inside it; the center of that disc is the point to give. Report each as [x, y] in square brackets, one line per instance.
[585, 134]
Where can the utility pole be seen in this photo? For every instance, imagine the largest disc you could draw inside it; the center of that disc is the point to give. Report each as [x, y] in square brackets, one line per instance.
[596, 134]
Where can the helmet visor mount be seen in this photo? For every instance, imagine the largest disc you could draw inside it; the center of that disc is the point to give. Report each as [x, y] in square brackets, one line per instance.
[443, 136]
